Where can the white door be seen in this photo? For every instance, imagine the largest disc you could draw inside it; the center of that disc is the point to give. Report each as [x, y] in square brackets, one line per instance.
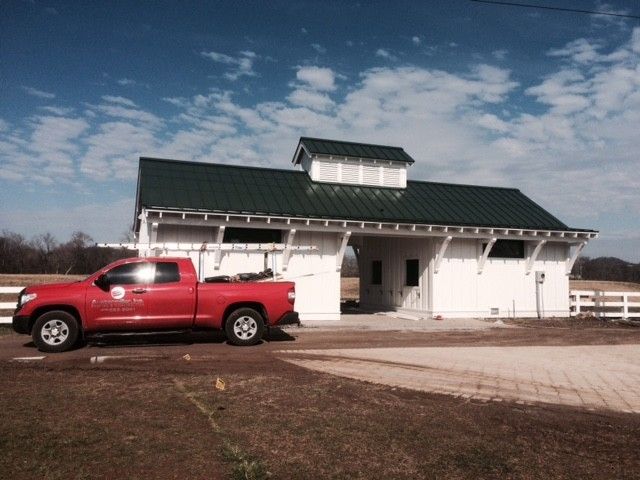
[411, 289]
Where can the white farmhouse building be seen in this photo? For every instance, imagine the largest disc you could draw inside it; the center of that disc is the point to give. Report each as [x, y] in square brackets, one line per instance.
[426, 248]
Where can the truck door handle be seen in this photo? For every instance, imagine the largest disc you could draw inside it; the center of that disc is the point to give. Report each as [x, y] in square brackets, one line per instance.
[139, 290]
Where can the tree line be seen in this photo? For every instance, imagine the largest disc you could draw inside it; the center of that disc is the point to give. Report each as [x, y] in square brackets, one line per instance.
[44, 254]
[606, 268]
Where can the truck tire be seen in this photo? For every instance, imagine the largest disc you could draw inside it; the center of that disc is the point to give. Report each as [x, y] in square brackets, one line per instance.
[244, 326]
[55, 331]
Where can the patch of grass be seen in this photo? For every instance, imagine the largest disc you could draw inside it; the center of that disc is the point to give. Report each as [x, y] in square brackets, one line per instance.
[481, 461]
[244, 466]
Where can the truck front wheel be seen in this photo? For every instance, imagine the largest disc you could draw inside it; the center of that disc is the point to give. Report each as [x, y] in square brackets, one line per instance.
[244, 326]
[55, 331]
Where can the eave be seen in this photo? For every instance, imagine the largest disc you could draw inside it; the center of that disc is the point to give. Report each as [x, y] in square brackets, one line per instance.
[250, 220]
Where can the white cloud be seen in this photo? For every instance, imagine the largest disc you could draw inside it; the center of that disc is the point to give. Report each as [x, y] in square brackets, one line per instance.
[34, 92]
[126, 109]
[303, 31]
[311, 99]
[609, 20]
[119, 100]
[317, 78]
[580, 51]
[386, 54]
[242, 65]
[500, 54]
[112, 152]
[62, 111]
[416, 40]
[318, 48]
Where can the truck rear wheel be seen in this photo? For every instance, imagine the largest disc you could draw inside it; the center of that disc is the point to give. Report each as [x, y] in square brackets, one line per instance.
[55, 331]
[244, 326]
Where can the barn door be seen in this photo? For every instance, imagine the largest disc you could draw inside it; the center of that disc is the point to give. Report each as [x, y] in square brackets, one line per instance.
[411, 296]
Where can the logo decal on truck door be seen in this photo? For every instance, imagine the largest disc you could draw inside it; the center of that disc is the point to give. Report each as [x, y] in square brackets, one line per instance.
[117, 293]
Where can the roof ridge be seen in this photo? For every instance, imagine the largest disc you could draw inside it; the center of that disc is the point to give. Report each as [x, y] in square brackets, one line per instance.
[218, 164]
[351, 143]
[469, 185]
[285, 170]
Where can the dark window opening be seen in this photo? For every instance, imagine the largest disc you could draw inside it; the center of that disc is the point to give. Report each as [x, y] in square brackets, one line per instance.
[412, 273]
[167, 272]
[252, 235]
[506, 249]
[376, 272]
[130, 274]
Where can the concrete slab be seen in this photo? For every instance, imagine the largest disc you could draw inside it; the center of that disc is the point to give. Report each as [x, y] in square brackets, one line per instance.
[592, 377]
[387, 322]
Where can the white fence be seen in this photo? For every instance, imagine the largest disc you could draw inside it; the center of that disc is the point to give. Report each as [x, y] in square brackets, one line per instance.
[8, 305]
[598, 302]
[605, 304]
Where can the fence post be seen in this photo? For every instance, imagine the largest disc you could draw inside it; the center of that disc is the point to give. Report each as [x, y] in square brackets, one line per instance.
[625, 306]
[577, 295]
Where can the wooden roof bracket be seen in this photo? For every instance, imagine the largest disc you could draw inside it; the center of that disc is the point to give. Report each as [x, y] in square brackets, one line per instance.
[440, 255]
[485, 254]
[286, 254]
[343, 241]
[570, 261]
[534, 255]
[217, 254]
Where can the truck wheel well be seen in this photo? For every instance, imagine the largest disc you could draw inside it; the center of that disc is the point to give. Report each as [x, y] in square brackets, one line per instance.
[49, 308]
[258, 307]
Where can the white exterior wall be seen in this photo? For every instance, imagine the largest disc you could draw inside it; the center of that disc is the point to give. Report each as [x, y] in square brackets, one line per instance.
[314, 272]
[460, 291]
[392, 293]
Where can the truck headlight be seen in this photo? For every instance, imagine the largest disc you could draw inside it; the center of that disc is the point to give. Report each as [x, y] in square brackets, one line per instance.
[26, 297]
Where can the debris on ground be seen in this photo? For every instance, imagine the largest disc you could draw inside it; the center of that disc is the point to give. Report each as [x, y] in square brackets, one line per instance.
[220, 385]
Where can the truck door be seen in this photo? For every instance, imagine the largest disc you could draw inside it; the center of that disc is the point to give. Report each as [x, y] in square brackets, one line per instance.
[121, 303]
[170, 298]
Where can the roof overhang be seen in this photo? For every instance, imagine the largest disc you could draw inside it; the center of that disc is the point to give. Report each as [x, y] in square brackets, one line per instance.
[297, 156]
[251, 220]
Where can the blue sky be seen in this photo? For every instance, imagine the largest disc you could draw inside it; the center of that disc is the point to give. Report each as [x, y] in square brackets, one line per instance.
[548, 102]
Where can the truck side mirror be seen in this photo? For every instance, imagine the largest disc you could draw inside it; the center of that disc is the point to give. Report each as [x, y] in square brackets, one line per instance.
[102, 282]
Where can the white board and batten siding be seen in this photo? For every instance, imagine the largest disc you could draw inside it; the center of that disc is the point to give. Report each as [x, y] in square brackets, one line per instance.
[460, 291]
[314, 272]
[457, 289]
[393, 293]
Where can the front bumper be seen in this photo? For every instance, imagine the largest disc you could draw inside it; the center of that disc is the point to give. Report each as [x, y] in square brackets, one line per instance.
[291, 318]
[21, 324]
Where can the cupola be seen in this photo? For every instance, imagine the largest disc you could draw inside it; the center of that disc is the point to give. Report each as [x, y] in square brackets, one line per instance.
[333, 161]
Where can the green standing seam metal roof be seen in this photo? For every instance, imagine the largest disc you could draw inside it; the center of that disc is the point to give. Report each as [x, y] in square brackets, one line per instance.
[338, 148]
[180, 185]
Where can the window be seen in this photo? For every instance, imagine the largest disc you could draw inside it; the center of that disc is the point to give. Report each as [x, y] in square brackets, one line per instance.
[130, 274]
[506, 249]
[376, 272]
[252, 235]
[167, 272]
[412, 269]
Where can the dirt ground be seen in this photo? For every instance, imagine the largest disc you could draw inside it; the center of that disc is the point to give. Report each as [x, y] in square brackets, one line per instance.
[153, 414]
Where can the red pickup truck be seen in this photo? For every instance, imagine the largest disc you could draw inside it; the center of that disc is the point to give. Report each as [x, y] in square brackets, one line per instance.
[150, 294]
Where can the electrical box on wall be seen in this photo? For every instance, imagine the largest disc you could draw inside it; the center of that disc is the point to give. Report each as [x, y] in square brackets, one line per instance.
[539, 277]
